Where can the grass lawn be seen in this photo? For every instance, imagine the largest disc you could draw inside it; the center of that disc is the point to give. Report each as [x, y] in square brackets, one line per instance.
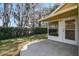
[11, 47]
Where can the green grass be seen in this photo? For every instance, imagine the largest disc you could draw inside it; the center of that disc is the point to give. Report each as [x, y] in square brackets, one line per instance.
[7, 45]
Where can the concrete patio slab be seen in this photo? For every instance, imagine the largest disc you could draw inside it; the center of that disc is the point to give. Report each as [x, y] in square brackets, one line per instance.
[49, 48]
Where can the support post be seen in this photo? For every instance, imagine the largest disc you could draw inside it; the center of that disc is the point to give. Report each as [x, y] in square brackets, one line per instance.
[78, 29]
[47, 29]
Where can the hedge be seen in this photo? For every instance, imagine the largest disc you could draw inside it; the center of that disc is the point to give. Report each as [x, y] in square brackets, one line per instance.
[39, 30]
[7, 33]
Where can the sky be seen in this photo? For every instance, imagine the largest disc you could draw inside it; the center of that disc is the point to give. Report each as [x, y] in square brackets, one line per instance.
[12, 24]
[46, 4]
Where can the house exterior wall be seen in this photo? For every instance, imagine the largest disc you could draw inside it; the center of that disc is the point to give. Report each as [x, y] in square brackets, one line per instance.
[61, 32]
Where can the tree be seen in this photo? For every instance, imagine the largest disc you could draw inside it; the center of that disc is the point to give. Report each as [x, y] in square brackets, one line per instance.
[6, 14]
[25, 14]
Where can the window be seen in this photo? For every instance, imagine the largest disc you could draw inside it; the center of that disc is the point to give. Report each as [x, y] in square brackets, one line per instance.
[53, 29]
[70, 29]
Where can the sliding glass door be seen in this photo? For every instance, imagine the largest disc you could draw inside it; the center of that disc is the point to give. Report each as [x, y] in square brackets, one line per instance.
[70, 29]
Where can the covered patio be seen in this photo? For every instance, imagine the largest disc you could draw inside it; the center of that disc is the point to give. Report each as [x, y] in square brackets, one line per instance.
[49, 48]
[63, 24]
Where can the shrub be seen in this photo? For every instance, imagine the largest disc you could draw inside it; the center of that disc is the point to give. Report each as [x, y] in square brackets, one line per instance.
[11, 32]
[6, 33]
[39, 30]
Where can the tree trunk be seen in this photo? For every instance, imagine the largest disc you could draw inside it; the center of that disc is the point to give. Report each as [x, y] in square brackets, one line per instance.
[5, 15]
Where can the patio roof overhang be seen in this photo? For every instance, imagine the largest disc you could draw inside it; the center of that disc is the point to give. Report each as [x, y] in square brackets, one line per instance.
[68, 12]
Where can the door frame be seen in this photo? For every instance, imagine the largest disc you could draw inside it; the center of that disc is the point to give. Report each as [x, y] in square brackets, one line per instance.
[74, 42]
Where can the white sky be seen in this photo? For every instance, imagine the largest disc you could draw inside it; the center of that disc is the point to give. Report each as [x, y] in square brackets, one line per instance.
[39, 1]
